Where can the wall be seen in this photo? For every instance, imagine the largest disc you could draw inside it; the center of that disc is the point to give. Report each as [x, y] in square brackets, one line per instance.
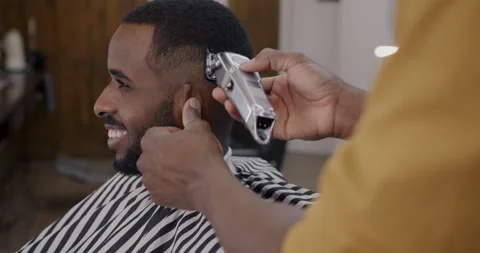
[74, 35]
[364, 25]
[260, 20]
[342, 37]
[224, 2]
[311, 27]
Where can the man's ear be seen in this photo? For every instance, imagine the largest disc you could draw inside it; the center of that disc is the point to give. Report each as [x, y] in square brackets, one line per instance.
[185, 93]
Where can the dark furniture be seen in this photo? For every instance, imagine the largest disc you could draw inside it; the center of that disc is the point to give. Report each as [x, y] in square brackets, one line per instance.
[13, 117]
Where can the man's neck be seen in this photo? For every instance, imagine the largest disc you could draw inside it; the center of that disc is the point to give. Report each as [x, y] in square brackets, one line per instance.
[225, 142]
[221, 125]
[223, 136]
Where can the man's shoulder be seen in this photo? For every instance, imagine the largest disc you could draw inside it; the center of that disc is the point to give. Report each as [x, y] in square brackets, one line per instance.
[247, 163]
[268, 182]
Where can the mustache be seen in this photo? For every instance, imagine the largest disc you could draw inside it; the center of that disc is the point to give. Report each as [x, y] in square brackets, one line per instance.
[110, 120]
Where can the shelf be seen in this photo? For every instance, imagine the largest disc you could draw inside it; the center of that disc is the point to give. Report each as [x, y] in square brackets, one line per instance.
[14, 117]
[3, 144]
[28, 81]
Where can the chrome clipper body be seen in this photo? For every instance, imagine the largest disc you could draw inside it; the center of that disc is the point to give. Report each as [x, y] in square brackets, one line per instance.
[244, 90]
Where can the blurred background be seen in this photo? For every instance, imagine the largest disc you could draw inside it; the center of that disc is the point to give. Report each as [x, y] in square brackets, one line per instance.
[53, 149]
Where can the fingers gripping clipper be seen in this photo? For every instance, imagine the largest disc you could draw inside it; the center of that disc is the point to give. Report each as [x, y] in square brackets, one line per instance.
[244, 89]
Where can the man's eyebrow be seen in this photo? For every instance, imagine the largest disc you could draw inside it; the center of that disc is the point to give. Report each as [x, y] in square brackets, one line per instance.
[119, 74]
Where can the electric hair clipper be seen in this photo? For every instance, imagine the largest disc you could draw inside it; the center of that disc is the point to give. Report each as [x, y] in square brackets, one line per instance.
[244, 89]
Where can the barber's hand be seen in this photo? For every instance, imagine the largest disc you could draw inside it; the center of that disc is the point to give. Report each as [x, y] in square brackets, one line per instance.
[176, 163]
[310, 102]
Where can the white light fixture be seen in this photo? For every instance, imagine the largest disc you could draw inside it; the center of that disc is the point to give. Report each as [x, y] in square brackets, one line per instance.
[387, 47]
[385, 51]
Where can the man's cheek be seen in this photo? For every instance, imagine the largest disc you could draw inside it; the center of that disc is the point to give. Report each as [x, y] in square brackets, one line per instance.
[136, 136]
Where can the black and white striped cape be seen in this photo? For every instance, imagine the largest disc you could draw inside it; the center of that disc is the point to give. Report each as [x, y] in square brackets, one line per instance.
[121, 217]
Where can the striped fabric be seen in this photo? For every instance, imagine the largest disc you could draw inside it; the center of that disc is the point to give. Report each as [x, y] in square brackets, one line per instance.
[121, 217]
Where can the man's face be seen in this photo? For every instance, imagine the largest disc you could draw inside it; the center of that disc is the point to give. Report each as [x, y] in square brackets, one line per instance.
[135, 99]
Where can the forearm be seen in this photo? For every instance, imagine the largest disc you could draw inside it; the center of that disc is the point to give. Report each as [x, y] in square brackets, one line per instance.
[348, 111]
[244, 222]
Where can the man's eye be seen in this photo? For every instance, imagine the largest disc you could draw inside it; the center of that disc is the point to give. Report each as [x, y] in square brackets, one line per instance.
[122, 85]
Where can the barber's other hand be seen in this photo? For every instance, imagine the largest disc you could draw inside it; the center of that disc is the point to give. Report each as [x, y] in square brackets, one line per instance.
[176, 163]
[310, 102]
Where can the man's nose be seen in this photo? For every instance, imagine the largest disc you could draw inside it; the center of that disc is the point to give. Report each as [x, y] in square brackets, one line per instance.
[105, 104]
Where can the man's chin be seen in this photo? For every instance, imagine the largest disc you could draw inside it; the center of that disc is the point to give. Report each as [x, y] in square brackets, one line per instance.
[127, 164]
[118, 156]
[126, 167]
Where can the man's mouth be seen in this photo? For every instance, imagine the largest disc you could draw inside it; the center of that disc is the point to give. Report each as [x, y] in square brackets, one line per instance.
[115, 136]
[116, 133]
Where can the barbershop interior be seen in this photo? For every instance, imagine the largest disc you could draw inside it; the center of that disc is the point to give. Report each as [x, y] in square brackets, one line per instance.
[53, 68]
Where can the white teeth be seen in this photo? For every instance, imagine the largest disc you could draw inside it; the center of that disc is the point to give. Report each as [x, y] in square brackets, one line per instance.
[115, 133]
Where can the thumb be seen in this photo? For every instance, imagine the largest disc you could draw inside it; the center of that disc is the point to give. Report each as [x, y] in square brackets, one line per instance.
[192, 111]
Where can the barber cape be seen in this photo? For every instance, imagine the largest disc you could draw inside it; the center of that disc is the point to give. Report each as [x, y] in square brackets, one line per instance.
[121, 217]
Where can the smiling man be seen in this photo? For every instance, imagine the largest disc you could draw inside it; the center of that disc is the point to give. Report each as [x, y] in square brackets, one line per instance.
[155, 60]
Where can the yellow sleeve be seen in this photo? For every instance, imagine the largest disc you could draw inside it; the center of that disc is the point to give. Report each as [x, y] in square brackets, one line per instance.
[409, 179]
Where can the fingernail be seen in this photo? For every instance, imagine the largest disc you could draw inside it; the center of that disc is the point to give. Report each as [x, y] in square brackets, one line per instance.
[247, 62]
[195, 104]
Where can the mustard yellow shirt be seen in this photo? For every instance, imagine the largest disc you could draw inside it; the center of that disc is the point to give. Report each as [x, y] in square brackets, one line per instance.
[408, 181]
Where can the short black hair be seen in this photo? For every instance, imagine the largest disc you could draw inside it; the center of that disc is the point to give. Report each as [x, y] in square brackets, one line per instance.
[185, 29]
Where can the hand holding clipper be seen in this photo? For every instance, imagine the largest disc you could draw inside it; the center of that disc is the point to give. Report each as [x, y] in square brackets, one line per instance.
[244, 90]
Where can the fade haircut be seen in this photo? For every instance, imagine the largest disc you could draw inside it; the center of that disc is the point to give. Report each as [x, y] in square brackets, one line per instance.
[185, 29]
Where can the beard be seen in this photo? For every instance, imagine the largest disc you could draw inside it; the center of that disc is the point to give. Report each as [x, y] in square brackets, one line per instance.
[163, 117]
